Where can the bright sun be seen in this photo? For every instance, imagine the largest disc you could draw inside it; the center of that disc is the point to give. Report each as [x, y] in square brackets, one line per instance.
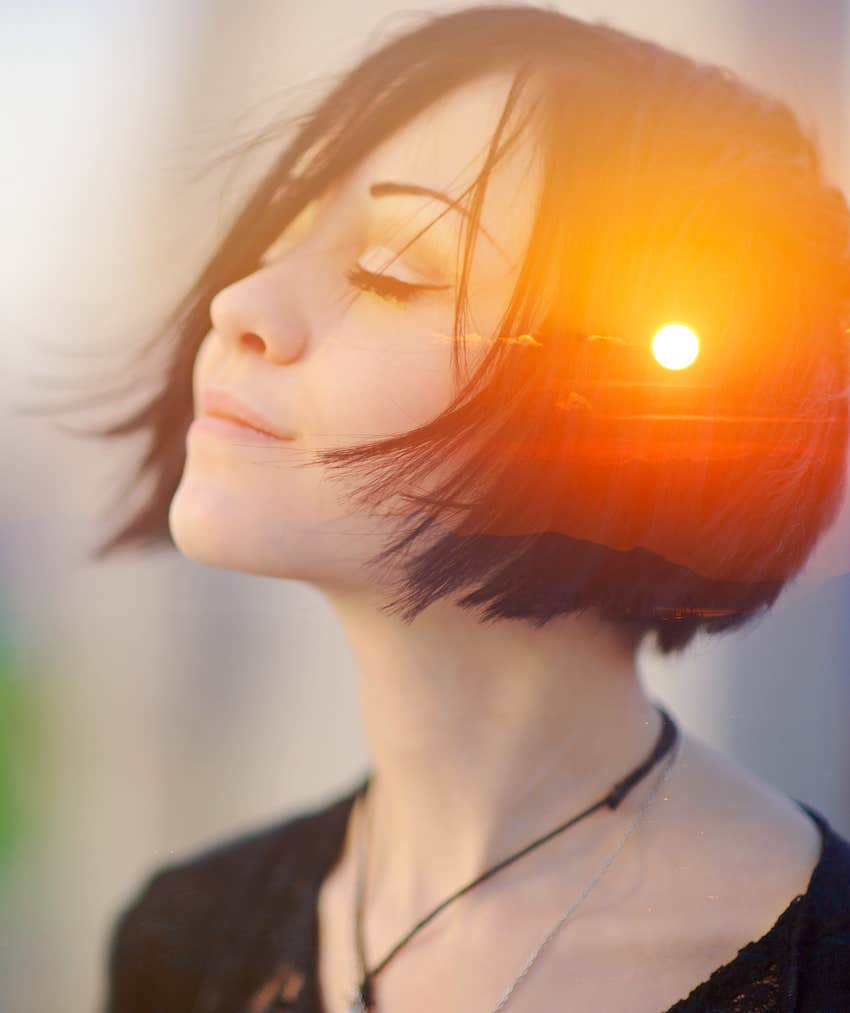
[675, 346]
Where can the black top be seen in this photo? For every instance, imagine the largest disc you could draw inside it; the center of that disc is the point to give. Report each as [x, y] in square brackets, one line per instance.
[233, 929]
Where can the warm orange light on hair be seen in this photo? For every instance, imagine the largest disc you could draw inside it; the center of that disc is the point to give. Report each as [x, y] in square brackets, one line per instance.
[675, 346]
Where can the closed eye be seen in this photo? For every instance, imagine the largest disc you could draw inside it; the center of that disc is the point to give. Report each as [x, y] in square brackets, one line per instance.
[386, 285]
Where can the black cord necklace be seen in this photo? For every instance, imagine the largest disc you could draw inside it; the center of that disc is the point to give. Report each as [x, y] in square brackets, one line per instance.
[363, 1000]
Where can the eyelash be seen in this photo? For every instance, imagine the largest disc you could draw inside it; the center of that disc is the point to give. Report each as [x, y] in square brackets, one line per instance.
[384, 285]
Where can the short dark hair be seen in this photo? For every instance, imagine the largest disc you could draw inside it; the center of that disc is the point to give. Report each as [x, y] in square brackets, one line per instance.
[672, 190]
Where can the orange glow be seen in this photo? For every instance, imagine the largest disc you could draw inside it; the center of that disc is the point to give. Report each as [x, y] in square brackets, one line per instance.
[675, 346]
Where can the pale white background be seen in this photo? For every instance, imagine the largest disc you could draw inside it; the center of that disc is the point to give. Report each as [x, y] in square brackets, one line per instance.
[178, 704]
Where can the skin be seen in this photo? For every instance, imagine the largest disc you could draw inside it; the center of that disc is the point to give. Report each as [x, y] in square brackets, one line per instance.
[482, 737]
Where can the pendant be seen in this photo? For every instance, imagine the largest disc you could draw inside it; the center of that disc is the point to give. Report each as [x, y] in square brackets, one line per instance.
[363, 1000]
[357, 1004]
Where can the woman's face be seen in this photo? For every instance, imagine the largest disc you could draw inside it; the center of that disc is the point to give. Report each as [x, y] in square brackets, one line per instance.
[289, 342]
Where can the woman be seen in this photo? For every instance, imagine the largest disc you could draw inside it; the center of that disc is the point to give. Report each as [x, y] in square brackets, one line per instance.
[458, 264]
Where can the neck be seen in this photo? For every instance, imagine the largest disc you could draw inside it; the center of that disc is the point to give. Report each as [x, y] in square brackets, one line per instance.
[484, 736]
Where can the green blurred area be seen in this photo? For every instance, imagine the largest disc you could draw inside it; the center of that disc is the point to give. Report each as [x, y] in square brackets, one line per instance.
[19, 723]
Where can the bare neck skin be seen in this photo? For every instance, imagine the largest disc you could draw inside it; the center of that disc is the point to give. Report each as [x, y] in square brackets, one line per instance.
[485, 736]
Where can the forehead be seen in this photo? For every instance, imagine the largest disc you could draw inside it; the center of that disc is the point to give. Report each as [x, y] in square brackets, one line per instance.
[443, 148]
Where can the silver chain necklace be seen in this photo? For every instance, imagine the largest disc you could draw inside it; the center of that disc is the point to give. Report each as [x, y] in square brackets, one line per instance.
[360, 1004]
[506, 996]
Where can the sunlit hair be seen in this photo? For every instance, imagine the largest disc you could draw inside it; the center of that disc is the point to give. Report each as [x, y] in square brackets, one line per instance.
[586, 476]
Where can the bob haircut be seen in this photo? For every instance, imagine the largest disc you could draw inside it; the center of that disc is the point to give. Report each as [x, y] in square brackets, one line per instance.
[594, 479]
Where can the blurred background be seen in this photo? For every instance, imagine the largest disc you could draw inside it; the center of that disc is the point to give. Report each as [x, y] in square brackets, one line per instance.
[149, 705]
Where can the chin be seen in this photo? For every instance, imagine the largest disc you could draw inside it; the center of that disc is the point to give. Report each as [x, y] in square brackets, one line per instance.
[305, 538]
[206, 529]
[209, 527]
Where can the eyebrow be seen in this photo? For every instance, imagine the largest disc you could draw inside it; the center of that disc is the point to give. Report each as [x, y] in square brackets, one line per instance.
[388, 188]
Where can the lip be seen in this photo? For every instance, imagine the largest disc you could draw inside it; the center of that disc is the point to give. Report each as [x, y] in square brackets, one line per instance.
[222, 404]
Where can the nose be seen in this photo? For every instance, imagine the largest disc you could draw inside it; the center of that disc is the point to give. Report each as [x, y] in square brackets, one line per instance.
[260, 317]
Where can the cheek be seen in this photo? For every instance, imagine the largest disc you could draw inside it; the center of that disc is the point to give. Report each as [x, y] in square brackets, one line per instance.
[372, 385]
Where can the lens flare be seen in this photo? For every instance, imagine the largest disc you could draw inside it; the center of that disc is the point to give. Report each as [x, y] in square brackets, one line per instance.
[675, 346]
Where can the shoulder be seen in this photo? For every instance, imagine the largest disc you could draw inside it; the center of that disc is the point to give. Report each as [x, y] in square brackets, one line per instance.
[822, 947]
[182, 910]
[765, 876]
